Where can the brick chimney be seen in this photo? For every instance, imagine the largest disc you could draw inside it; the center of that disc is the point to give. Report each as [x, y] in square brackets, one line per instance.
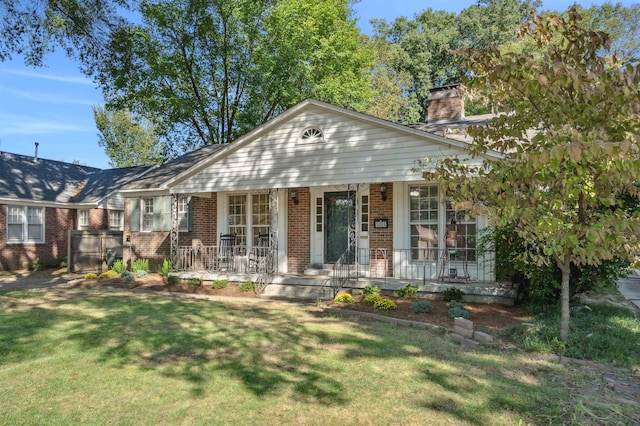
[445, 103]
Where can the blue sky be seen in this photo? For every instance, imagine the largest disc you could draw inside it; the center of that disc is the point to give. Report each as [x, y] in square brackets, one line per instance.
[52, 105]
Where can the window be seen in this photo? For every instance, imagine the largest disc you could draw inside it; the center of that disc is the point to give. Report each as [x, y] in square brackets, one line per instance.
[423, 221]
[461, 232]
[319, 214]
[260, 216]
[364, 214]
[238, 218]
[83, 219]
[25, 224]
[147, 214]
[311, 135]
[241, 223]
[115, 219]
[183, 214]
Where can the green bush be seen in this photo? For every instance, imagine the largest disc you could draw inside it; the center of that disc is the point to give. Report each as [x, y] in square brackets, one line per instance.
[219, 284]
[383, 304]
[195, 282]
[90, 276]
[371, 299]
[457, 310]
[452, 294]
[118, 266]
[174, 279]
[108, 274]
[141, 273]
[247, 286]
[125, 274]
[409, 292]
[369, 290]
[34, 265]
[128, 276]
[421, 307]
[140, 265]
[166, 267]
[344, 298]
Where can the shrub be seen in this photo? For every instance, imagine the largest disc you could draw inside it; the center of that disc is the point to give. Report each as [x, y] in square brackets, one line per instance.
[457, 310]
[371, 299]
[219, 284]
[383, 304]
[174, 279]
[140, 265]
[452, 294]
[247, 286]
[34, 265]
[124, 274]
[128, 277]
[409, 292]
[61, 262]
[166, 267]
[369, 290]
[141, 273]
[344, 298]
[421, 307]
[195, 282]
[108, 274]
[90, 276]
[118, 266]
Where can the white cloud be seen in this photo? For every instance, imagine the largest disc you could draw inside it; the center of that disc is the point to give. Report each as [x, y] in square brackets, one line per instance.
[54, 77]
[48, 98]
[14, 124]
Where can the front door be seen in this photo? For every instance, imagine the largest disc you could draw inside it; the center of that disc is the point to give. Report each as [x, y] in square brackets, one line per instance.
[339, 218]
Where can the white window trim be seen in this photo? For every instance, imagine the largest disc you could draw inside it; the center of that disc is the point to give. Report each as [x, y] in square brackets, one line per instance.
[120, 213]
[223, 213]
[25, 224]
[183, 215]
[143, 213]
[83, 214]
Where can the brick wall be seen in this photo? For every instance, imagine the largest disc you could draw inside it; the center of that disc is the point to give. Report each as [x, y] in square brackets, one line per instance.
[156, 246]
[298, 231]
[381, 238]
[98, 219]
[57, 223]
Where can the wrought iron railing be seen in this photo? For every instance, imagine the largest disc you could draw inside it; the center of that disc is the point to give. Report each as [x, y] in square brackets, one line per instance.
[265, 261]
[341, 271]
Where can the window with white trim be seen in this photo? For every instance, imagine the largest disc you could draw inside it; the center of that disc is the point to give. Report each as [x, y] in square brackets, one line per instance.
[183, 214]
[461, 231]
[83, 219]
[116, 219]
[241, 223]
[25, 224]
[147, 214]
[424, 205]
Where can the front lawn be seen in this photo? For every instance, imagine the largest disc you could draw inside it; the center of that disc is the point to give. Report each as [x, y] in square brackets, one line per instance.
[98, 356]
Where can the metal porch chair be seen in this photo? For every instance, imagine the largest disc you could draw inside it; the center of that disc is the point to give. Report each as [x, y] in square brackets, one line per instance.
[226, 252]
[258, 253]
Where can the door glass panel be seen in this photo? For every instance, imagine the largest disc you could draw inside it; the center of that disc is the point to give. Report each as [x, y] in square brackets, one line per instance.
[339, 217]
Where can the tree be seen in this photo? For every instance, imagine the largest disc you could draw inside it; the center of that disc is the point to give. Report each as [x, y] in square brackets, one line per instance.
[80, 27]
[570, 141]
[210, 71]
[126, 142]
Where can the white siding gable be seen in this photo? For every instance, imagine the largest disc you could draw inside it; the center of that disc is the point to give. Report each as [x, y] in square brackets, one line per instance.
[353, 151]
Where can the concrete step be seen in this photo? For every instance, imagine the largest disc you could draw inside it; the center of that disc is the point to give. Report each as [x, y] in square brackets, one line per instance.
[283, 291]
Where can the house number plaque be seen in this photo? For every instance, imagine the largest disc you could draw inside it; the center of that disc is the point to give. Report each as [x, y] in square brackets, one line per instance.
[381, 223]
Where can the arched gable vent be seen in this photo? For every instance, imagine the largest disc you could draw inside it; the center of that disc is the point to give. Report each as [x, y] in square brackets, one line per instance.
[311, 135]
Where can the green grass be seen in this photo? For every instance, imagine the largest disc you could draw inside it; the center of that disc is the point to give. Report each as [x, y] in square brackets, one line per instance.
[603, 333]
[79, 356]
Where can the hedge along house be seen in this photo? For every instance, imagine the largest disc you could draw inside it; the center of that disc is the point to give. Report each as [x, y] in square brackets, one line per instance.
[318, 190]
[42, 200]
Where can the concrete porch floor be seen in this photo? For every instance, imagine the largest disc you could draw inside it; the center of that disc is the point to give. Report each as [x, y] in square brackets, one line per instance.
[314, 287]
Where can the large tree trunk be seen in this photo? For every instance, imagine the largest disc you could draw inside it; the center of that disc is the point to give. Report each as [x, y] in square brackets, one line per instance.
[565, 268]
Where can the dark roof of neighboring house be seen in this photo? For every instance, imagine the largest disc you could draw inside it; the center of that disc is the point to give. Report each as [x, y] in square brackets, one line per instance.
[455, 129]
[158, 176]
[27, 178]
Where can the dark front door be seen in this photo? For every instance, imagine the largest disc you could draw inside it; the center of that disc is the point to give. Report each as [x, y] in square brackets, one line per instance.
[339, 216]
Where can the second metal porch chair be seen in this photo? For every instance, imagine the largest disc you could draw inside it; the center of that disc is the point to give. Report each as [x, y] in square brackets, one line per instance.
[258, 253]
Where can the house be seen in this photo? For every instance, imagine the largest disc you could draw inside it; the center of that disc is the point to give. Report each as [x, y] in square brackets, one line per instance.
[42, 200]
[319, 189]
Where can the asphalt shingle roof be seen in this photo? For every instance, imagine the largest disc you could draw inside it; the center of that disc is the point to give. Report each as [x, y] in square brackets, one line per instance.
[25, 178]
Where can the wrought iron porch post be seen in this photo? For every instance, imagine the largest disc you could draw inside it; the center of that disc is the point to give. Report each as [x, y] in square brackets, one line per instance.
[273, 231]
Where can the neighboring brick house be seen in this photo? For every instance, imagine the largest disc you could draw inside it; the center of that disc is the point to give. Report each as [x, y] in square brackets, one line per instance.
[320, 180]
[42, 200]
